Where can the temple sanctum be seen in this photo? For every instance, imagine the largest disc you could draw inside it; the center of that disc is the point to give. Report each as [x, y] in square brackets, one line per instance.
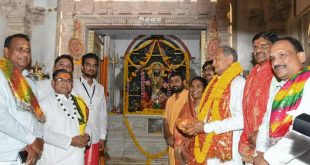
[140, 42]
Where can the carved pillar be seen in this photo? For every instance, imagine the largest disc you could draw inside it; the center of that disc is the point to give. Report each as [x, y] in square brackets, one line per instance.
[20, 15]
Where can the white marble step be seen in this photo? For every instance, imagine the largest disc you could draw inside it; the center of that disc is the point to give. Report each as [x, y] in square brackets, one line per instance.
[127, 161]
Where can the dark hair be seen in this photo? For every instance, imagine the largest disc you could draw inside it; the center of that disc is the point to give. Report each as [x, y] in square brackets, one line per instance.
[89, 55]
[228, 51]
[66, 56]
[177, 73]
[9, 39]
[294, 42]
[210, 62]
[270, 36]
[202, 80]
[56, 72]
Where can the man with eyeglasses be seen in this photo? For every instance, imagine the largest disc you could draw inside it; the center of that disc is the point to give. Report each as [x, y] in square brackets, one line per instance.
[256, 93]
[65, 127]
[208, 70]
[93, 93]
[20, 113]
[61, 62]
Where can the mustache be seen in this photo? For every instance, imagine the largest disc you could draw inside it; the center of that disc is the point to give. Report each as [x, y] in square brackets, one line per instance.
[257, 53]
[279, 66]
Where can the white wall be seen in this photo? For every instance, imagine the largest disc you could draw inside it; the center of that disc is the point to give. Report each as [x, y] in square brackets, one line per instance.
[43, 37]
[3, 28]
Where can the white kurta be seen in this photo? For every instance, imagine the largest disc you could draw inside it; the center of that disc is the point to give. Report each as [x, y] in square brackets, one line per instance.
[44, 88]
[96, 103]
[291, 150]
[235, 123]
[58, 132]
[18, 127]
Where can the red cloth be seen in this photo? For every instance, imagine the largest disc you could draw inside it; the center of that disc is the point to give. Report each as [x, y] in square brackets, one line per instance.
[92, 155]
[255, 98]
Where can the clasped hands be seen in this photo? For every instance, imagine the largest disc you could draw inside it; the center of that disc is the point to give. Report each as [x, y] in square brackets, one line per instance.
[80, 140]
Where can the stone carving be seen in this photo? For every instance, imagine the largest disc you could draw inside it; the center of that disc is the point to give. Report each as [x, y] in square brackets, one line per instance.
[35, 15]
[256, 17]
[13, 8]
[21, 15]
[85, 7]
[278, 10]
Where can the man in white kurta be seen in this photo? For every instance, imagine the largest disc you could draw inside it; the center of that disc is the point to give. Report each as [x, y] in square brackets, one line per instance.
[64, 142]
[226, 65]
[61, 62]
[93, 93]
[291, 148]
[19, 127]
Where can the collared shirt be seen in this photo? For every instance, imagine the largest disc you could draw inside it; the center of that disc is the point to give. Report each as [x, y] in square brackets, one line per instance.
[18, 127]
[234, 123]
[290, 149]
[59, 129]
[93, 96]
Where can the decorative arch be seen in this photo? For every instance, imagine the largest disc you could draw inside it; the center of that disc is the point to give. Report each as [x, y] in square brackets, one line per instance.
[149, 60]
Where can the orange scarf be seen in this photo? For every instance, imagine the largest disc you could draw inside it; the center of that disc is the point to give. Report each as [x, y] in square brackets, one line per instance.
[255, 98]
[21, 90]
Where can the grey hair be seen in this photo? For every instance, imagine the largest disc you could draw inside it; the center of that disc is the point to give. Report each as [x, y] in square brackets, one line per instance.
[228, 51]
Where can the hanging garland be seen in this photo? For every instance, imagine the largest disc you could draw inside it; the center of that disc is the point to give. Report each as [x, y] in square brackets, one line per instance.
[150, 157]
[205, 107]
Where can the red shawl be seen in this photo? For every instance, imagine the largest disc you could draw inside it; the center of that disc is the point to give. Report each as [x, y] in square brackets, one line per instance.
[255, 98]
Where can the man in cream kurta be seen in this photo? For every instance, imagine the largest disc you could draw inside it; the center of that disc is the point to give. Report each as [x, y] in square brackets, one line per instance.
[93, 93]
[287, 57]
[173, 107]
[224, 61]
[64, 140]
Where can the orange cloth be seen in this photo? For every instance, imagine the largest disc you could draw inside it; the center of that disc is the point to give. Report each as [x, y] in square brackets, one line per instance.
[255, 98]
[173, 107]
[103, 76]
[182, 142]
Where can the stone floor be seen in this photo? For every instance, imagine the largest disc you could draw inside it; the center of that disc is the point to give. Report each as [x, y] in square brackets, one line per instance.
[127, 161]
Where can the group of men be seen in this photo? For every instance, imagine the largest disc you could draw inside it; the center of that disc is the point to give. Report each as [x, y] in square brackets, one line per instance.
[247, 121]
[59, 121]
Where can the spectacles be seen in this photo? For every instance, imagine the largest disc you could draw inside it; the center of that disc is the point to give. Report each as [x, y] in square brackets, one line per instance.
[207, 69]
[63, 81]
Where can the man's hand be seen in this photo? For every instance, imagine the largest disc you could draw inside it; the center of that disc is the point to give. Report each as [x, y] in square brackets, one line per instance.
[170, 141]
[32, 156]
[259, 159]
[252, 139]
[101, 145]
[37, 145]
[80, 140]
[196, 127]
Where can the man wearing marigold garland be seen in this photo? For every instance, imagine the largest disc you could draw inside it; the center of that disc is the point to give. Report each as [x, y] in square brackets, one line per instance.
[173, 107]
[20, 113]
[220, 118]
[256, 93]
[275, 143]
